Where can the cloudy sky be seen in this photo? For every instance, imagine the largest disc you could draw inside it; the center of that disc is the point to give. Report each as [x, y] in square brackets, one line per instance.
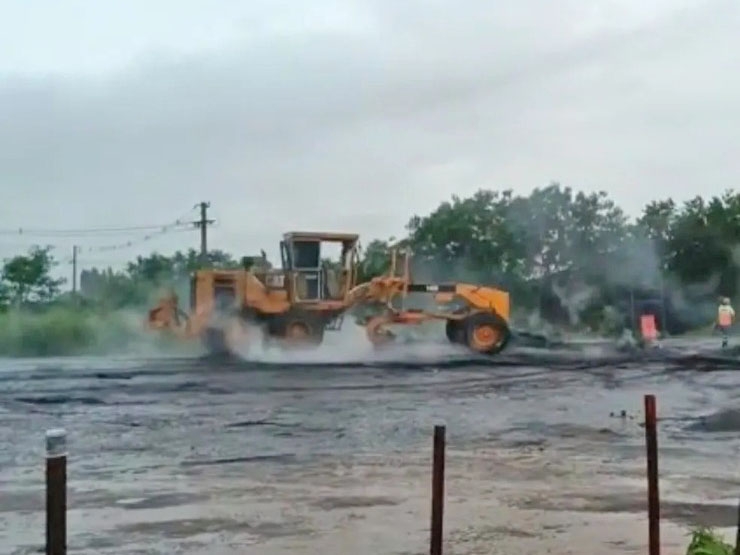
[350, 114]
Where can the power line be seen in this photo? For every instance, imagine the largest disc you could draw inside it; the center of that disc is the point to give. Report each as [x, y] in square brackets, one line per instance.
[134, 242]
[182, 224]
[137, 241]
[107, 248]
[76, 232]
[72, 232]
[130, 243]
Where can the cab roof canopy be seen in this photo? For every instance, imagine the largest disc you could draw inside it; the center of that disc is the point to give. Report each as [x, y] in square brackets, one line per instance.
[320, 236]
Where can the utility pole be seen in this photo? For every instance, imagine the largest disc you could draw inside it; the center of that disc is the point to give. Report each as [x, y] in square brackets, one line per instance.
[75, 249]
[203, 224]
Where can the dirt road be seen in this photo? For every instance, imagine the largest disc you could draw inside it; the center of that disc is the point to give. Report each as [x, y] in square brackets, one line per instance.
[181, 456]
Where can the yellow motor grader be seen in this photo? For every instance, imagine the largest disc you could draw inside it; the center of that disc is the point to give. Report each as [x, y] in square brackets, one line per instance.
[308, 295]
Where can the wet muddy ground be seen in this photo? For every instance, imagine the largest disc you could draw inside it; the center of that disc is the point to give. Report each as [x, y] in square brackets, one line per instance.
[545, 452]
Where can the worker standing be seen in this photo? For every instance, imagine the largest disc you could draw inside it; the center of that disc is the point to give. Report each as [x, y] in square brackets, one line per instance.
[725, 319]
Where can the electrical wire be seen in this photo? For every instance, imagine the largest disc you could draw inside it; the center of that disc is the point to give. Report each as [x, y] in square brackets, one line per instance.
[77, 232]
[133, 242]
[182, 224]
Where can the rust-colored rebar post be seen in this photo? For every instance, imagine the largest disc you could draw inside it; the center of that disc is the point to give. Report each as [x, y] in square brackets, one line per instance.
[56, 492]
[438, 490]
[651, 440]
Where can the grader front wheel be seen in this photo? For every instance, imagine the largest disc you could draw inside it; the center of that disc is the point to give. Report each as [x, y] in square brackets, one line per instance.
[376, 331]
[455, 330]
[486, 333]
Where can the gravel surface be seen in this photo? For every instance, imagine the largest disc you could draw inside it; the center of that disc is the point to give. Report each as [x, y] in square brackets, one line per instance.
[333, 456]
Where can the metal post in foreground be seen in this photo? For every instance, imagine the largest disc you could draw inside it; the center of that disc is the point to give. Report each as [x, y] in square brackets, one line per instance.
[737, 537]
[438, 490]
[56, 492]
[651, 440]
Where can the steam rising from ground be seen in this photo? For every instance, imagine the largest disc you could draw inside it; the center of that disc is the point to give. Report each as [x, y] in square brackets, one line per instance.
[634, 265]
[351, 345]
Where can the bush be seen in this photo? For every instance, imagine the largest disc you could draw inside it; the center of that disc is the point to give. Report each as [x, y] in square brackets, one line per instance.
[60, 331]
[705, 542]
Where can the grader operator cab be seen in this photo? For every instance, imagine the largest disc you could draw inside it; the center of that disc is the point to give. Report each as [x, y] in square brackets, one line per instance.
[314, 278]
[310, 294]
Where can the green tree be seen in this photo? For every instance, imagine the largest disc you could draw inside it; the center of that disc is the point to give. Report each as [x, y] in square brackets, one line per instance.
[567, 232]
[4, 296]
[375, 260]
[471, 236]
[184, 263]
[27, 278]
[658, 219]
[112, 290]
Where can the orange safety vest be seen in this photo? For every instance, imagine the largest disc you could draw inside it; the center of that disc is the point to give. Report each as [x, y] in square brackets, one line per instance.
[648, 328]
[725, 313]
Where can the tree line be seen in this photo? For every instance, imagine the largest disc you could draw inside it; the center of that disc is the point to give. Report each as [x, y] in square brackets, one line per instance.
[573, 258]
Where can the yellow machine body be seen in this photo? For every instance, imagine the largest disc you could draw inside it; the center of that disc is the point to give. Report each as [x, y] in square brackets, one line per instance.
[309, 295]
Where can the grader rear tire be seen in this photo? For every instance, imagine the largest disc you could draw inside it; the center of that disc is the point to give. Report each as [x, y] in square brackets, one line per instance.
[486, 333]
[304, 333]
[215, 342]
[300, 329]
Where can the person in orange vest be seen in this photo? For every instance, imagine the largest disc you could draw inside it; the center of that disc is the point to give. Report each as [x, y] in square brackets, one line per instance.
[725, 319]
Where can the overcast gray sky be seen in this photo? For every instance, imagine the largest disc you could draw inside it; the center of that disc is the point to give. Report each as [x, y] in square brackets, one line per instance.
[351, 115]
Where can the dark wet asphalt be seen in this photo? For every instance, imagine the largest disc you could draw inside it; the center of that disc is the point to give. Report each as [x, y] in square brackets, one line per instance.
[126, 416]
[131, 413]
